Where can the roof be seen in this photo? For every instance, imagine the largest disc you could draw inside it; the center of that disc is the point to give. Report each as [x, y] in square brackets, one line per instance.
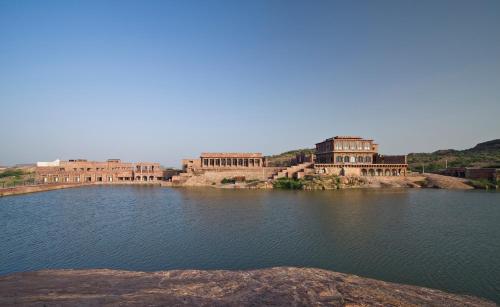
[231, 155]
[347, 137]
[344, 137]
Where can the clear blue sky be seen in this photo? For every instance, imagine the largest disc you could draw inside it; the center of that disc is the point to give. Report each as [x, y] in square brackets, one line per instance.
[163, 80]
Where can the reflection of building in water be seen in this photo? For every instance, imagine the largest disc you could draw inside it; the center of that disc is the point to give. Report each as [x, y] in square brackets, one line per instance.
[352, 155]
[111, 171]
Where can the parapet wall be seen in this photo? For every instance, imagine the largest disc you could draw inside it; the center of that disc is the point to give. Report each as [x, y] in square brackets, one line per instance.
[482, 173]
[208, 177]
[385, 159]
[389, 169]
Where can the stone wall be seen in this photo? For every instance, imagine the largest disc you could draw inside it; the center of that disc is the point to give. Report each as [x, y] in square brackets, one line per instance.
[210, 177]
[361, 169]
[386, 159]
[339, 171]
[57, 186]
[482, 173]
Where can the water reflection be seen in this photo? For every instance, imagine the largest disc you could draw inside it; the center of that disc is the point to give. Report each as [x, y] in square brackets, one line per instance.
[435, 238]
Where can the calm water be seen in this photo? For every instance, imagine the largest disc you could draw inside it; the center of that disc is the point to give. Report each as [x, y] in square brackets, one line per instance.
[442, 239]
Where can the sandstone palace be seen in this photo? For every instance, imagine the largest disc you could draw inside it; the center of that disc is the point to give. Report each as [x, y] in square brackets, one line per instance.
[340, 155]
[350, 155]
[111, 171]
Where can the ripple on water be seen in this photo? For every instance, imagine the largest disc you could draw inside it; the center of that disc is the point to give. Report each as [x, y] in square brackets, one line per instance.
[435, 238]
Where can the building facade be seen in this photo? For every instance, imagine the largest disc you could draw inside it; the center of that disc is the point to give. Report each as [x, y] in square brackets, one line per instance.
[210, 161]
[492, 174]
[346, 149]
[352, 155]
[83, 171]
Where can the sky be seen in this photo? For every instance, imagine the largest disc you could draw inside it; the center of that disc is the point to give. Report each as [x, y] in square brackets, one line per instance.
[165, 80]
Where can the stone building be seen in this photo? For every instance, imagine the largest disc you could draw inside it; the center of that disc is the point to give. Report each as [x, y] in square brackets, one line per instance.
[352, 155]
[83, 171]
[223, 161]
[304, 158]
[492, 174]
[211, 168]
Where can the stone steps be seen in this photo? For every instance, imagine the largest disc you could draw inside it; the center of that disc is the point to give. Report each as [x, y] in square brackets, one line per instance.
[295, 171]
[181, 178]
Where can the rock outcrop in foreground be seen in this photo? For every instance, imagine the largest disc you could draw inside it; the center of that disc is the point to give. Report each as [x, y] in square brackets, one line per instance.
[276, 286]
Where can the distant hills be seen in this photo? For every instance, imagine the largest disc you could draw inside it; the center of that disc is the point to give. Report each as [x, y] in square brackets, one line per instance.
[284, 159]
[486, 154]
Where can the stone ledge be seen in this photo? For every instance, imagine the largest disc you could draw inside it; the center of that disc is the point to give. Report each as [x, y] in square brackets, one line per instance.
[282, 286]
[58, 186]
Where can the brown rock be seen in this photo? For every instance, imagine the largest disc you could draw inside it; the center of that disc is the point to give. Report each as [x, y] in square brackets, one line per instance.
[284, 286]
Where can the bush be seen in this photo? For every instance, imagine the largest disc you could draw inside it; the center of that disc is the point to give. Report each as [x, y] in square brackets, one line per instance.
[288, 184]
[483, 184]
[12, 173]
[227, 181]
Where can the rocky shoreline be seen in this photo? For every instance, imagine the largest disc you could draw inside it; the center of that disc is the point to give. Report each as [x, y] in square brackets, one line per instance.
[410, 181]
[316, 183]
[331, 182]
[282, 286]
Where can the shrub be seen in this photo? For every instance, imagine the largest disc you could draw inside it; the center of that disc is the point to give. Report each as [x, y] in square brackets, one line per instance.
[227, 181]
[288, 184]
[12, 173]
[483, 184]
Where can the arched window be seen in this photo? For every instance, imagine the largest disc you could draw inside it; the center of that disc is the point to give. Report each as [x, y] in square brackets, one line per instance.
[359, 159]
[353, 159]
[339, 159]
[346, 159]
[368, 159]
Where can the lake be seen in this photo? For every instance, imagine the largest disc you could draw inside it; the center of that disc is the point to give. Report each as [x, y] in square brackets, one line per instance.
[443, 239]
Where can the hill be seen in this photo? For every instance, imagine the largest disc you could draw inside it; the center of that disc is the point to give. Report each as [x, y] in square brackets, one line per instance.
[286, 158]
[486, 154]
[15, 176]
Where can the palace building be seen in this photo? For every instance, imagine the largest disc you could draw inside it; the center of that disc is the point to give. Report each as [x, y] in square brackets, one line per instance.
[210, 161]
[83, 171]
[352, 155]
